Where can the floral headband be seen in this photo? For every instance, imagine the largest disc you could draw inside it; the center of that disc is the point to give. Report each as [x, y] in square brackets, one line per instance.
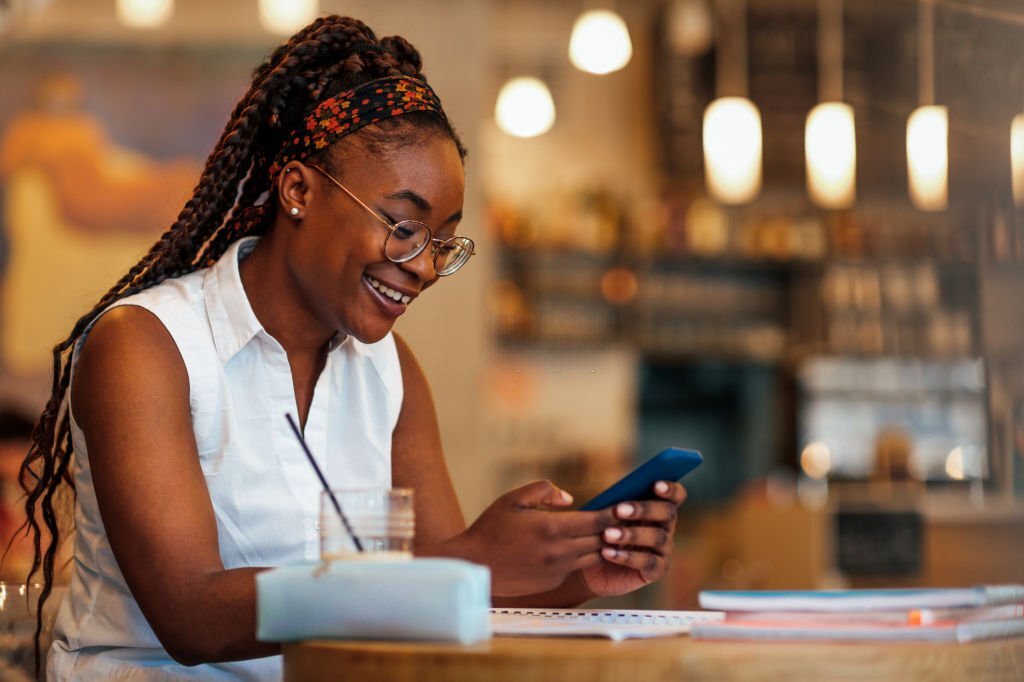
[333, 119]
[348, 111]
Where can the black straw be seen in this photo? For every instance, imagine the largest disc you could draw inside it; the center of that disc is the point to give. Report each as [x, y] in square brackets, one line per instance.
[320, 475]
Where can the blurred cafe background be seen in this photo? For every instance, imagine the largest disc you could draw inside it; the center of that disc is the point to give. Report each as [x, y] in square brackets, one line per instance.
[786, 233]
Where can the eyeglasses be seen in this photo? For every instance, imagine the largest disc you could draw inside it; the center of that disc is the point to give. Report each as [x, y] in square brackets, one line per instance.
[408, 238]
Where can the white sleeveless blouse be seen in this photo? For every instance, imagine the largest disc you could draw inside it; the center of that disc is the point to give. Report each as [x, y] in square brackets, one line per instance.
[265, 494]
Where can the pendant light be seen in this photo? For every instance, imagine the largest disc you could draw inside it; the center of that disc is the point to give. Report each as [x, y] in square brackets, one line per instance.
[525, 107]
[830, 141]
[144, 13]
[285, 17]
[928, 125]
[600, 42]
[732, 123]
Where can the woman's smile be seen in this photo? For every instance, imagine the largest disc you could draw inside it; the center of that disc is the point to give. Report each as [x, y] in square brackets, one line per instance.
[393, 300]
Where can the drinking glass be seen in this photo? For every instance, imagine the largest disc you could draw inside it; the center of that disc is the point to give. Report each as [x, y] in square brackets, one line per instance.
[383, 520]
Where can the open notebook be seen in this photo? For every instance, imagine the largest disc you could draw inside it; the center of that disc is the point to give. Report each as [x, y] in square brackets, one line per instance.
[615, 624]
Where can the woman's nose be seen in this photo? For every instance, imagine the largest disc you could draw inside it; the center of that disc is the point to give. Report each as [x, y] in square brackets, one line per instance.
[423, 264]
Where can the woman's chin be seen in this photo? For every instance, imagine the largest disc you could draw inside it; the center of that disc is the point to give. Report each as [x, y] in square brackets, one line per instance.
[369, 334]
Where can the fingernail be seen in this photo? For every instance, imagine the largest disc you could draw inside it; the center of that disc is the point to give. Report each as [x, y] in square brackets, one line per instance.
[609, 553]
[625, 510]
[612, 534]
[566, 496]
[661, 487]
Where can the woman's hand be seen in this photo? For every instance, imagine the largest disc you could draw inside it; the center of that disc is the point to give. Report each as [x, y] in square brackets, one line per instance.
[535, 548]
[529, 546]
[638, 547]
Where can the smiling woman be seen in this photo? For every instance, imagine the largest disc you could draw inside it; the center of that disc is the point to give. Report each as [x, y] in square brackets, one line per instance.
[334, 246]
[328, 206]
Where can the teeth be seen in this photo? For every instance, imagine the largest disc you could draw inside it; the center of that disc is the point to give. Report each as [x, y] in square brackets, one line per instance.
[396, 296]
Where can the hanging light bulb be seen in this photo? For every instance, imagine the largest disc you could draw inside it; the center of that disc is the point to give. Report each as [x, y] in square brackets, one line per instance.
[928, 157]
[284, 17]
[732, 149]
[1017, 158]
[830, 138]
[830, 147]
[525, 107]
[732, 125]
[928, 125]
[600, 42]
[144, 13]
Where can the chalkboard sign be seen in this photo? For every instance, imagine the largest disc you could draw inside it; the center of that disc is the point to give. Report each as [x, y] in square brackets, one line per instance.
[879, 543]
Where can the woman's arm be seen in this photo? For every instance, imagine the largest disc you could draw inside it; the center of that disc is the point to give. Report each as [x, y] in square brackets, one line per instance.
[131, 399]
[539, 554]
[530, 551]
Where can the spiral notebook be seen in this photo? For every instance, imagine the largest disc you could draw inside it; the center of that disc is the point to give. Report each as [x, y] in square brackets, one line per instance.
[614, 624]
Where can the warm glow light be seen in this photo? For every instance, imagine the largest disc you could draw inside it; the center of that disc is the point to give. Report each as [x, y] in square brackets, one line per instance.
[1017, 158]
[619, 286]
[732, 150]
[816, 460]
[928, 157]
[600, 42]
[525, 107]
[285, 17]
[144, 13]
[830, 147]
[955, 464]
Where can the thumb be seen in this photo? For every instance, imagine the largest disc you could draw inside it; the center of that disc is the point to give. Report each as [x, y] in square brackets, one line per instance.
[539, 494]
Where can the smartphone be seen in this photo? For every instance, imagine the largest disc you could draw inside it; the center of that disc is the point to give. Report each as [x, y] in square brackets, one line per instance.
[668, 465]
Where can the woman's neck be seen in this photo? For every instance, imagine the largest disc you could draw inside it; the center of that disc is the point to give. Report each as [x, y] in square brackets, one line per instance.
[278, 305]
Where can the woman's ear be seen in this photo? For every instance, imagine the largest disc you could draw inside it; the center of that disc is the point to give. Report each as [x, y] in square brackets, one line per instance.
[293, 190]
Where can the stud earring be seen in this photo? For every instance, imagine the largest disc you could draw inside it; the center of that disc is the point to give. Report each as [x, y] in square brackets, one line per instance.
[294, 211]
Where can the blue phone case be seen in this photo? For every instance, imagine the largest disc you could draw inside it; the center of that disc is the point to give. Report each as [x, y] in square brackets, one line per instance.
[668, 465]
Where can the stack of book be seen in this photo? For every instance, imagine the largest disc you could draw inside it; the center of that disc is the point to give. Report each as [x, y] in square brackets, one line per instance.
[940, 615]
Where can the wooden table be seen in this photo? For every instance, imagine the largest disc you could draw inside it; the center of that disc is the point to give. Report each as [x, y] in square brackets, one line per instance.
[510, 659]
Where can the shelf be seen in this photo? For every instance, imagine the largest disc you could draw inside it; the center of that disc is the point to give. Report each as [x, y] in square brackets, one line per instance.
[538, 259]
[766, 310]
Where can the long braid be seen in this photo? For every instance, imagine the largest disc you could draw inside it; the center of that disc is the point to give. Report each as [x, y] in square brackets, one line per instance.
[331, 54]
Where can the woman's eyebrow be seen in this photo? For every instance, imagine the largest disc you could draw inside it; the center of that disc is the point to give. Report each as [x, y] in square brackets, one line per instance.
[411, 196]
[420, 202]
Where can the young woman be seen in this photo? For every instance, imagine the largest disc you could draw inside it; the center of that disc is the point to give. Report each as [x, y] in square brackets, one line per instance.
[329, 205]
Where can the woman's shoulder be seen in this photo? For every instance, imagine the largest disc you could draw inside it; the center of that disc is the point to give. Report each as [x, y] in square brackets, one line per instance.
[126, 329]
[181, 294]
[124, 344]
[153, 323]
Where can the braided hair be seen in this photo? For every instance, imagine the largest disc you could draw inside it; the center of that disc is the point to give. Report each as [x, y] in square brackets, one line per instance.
[330, 55]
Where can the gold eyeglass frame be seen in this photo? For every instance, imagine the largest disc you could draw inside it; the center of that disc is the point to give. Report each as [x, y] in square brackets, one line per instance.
[436, 243]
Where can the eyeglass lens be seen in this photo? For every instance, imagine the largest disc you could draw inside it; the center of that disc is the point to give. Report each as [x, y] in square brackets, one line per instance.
[452, 255]
[409, 237]
[406, 241]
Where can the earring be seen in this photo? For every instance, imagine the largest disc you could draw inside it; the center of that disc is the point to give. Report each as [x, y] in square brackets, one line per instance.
[294, 211]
